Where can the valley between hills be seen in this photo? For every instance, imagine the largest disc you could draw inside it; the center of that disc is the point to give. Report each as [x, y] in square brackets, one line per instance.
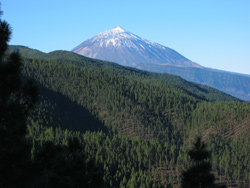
[137, 126]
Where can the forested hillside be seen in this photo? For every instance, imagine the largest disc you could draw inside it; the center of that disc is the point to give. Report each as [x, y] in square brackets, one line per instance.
[196, 89]
[230, 83]
[137, 126]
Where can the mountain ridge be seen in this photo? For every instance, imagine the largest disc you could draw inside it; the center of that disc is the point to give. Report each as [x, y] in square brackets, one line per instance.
[201, 91]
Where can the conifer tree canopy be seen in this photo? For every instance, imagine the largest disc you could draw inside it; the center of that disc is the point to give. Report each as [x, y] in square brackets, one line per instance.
[199, 174]
[16, 101]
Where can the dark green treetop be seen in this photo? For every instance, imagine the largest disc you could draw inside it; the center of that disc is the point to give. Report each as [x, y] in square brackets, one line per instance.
[16, 101]
[199, 174]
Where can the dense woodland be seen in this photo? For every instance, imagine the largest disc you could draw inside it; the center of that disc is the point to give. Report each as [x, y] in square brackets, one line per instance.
[135, 126]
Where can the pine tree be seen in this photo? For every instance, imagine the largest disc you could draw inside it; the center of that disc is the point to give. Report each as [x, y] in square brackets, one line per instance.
[199, 174]
[16, 101]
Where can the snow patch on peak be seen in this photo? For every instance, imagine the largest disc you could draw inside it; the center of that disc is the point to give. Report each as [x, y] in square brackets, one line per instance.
[118, 28]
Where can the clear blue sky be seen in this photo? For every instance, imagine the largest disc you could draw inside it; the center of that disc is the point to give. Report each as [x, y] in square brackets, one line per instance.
[213, 33]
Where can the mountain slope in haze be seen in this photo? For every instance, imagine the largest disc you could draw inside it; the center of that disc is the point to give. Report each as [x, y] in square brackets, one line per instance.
[122, 47]
[237, 85]
[198, 90]
[125, 48]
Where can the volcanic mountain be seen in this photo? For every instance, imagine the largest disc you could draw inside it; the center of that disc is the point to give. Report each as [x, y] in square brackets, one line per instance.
[122, 47]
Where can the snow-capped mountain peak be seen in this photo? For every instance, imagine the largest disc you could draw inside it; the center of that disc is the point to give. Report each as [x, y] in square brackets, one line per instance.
[117, 33]
[126, 48]
[118, 28]
[115, 37]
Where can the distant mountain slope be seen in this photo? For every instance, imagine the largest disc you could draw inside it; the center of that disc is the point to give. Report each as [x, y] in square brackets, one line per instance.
[122, 47]
[198, 90]
[237, 85]
[125, 48]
